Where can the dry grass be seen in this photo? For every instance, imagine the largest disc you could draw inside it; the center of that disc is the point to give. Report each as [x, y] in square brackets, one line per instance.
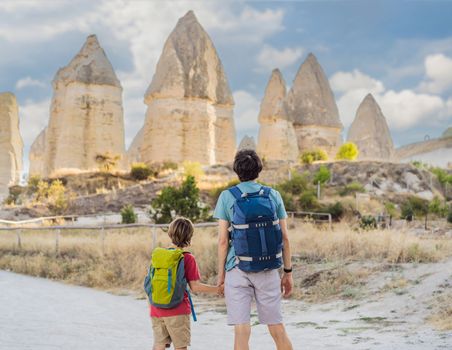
[342, 243]
[441, 317]
[120, 259]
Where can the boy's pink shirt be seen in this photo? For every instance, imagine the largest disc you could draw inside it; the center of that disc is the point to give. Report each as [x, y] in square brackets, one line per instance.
[191, 274]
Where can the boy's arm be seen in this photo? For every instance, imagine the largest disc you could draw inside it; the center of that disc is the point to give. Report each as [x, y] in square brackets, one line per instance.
[223, 245]
[198, 287]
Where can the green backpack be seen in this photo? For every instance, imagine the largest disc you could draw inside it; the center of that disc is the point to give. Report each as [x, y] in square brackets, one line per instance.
[165, 283]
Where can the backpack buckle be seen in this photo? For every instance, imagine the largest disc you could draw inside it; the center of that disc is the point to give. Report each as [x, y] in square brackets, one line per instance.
[244, 195]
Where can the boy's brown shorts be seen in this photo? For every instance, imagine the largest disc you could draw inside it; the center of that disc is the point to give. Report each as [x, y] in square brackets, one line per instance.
[174, 329]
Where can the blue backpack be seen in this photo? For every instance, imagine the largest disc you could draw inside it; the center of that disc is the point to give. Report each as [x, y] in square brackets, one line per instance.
[255, 231]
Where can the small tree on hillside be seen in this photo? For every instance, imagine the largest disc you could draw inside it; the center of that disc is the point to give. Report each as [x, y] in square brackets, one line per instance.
[182, 201]
[348, 151]
[107, 162]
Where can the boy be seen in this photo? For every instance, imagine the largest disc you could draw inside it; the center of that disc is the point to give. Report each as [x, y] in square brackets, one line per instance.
[172, 325]
[247, 277]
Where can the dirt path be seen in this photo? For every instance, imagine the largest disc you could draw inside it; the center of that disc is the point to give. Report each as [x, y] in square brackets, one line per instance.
[40, 314]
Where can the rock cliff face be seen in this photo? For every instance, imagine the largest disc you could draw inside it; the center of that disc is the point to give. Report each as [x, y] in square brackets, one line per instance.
[86, 115]
[37, 154]
[247, 143]
[11, 144]
[277, 139]
[190, 105]
[370, 132]
[312, 107]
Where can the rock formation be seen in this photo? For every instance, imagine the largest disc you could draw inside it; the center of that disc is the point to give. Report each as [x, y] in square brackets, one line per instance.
[277, 139]
[370, 132]
[447, 133]
[247, 143]
[190, 105]
[11, 144]
[134, 151]
[312, 107]
[37, 154]
[86, 115]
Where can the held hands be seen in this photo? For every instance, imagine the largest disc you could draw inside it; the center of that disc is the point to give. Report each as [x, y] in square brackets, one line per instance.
[220, 284]
[286, 284]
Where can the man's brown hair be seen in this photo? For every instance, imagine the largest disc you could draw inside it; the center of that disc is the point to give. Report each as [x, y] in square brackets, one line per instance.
[247, 165]
[181, 231]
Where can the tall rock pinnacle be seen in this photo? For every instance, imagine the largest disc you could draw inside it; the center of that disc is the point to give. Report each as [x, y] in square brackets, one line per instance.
[11, 144]
[370, 132]
[190, 105]
[277, 139]
[312, 107]
[86, 116]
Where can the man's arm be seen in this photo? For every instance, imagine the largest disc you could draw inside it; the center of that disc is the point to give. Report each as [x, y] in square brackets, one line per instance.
[286, 280]
[223, 244]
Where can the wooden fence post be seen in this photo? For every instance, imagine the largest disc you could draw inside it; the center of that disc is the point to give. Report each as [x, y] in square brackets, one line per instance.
[102, 237]
[19, 241]
[154, 237]
[57, 242]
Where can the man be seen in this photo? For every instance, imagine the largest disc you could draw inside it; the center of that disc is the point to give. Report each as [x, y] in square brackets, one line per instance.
[241, 285]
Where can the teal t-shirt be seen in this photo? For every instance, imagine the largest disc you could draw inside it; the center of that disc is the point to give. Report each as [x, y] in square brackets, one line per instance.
[223, 210]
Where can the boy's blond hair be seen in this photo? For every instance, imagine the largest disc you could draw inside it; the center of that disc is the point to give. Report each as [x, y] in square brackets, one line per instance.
[181, 232]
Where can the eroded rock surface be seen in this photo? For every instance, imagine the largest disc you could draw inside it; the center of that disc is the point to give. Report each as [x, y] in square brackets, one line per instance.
[312, 107]
[11, 144]
[370, 132]
[190, 105]
[86, 116]
[277, 139]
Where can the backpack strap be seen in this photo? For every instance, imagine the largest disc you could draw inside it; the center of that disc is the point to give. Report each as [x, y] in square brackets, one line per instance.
[235, 191]
[265, 191]
[192, 306]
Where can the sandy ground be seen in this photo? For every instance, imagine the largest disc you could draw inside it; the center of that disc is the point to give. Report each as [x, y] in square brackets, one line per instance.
[41, 314]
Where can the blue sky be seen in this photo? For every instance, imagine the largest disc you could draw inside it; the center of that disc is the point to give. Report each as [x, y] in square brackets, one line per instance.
[401, 51]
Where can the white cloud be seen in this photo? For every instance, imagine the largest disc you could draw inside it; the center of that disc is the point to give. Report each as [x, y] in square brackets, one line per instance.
[402, 109]
[438, 71]
[29, 82]
[246, 112]
[346, 81]
[270, 57]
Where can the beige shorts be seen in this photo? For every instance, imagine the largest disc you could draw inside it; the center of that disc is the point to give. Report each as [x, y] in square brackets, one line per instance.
[241, 288]
[174, 329]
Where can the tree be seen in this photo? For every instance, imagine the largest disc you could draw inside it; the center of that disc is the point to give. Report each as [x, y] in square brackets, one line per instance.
[128, 215]
[348, 151]
[107, 162]
[313, 156]
[182, 201]
[140, 171]
[322, 176]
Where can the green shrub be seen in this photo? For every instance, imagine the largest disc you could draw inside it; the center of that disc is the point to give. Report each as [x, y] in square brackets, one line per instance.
[351, 188]
[107, 162]
[168, 166]
[368, 222]
[414, 206]
[54, 195]
[128, 215]
[336, 210]
[182, 201]
[437, 207]
[313, 156]
[32, 184]
[442, 175]
[295, 186]
[15, 196]
[288, 200]
[193, 169]
[391, 209]
[322, 175]
[449, 215]
[140, 171]
[348, 151]
[308, 201]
